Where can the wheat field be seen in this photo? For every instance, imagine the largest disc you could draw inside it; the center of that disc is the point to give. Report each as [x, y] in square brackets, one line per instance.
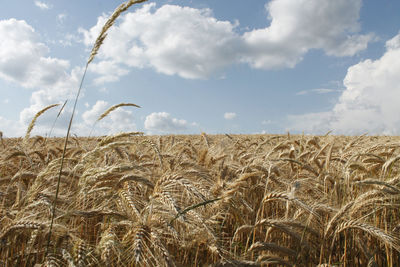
[201, 200]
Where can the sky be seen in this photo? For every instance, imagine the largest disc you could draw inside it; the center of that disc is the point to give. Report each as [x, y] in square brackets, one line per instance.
[226, 66]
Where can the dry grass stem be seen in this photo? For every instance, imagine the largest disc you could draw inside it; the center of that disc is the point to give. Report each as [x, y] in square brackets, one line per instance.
[38, 114]
[108, 111]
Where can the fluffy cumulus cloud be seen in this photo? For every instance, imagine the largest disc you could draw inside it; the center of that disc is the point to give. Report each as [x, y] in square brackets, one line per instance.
[90, 116]
[108, 71]
[298, 26]
[24, 61]
[191, 43]
[55, 93]
[119, 120]
[229, 115]
[21, 56]
[10, 128]
[43, 126]
[369, 102]
[171, 39]
[163, 123]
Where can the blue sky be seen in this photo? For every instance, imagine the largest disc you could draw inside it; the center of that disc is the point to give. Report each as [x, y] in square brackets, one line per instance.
[204, 66]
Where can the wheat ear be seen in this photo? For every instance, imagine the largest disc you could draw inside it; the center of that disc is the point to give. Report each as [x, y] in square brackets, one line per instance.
[123, 7]
[58, 115]
[262, 246]
[103, 34]
[108, 111]
[140, 238]
[372, 230]
[30, 127]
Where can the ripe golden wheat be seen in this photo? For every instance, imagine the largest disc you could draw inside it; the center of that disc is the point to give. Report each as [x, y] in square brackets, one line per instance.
[134, 200]
[205, 200]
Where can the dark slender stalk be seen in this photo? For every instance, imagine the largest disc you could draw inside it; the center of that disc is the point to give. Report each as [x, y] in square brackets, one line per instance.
[122, 8]
[183, 212]
[62, 163]
[58, 115]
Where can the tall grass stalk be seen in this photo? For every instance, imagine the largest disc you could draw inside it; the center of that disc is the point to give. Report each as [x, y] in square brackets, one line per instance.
[99, 41]
[58, 115]
[38, 114]
[109, 110]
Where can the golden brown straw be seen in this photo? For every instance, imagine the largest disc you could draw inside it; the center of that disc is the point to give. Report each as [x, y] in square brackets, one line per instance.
[103, 34]
[108, 111]
[30, 127]
[212, 200]
[123, 7]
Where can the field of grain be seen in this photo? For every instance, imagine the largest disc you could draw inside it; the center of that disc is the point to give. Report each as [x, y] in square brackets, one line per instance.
[201, 200]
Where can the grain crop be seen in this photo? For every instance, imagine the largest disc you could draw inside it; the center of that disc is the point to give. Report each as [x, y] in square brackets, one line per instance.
[108, 111]
[38, 114]
[198, 200]
[237, 200]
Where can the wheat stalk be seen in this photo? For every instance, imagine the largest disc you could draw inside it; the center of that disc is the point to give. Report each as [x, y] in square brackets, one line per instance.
[261, 246]
[372, 230]
[123, 7]
[30, 127]
[111, 20]
[339, 214]
[58, 115]
[1, 138]
[108, 111]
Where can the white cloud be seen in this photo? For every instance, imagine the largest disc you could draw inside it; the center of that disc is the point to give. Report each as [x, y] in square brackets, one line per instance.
[19, 51]
[23, 61]
[52, 93]
[298, 26]
[108, 71]
[43, 125]
[90, 116]
[192, 43]
[119, 120]
[42, 5]
[90, 36]
[10, 128]
[69, 39]
[370, 101]
[229, 115]
[315, 123]
[162, 122]
[172, 40]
